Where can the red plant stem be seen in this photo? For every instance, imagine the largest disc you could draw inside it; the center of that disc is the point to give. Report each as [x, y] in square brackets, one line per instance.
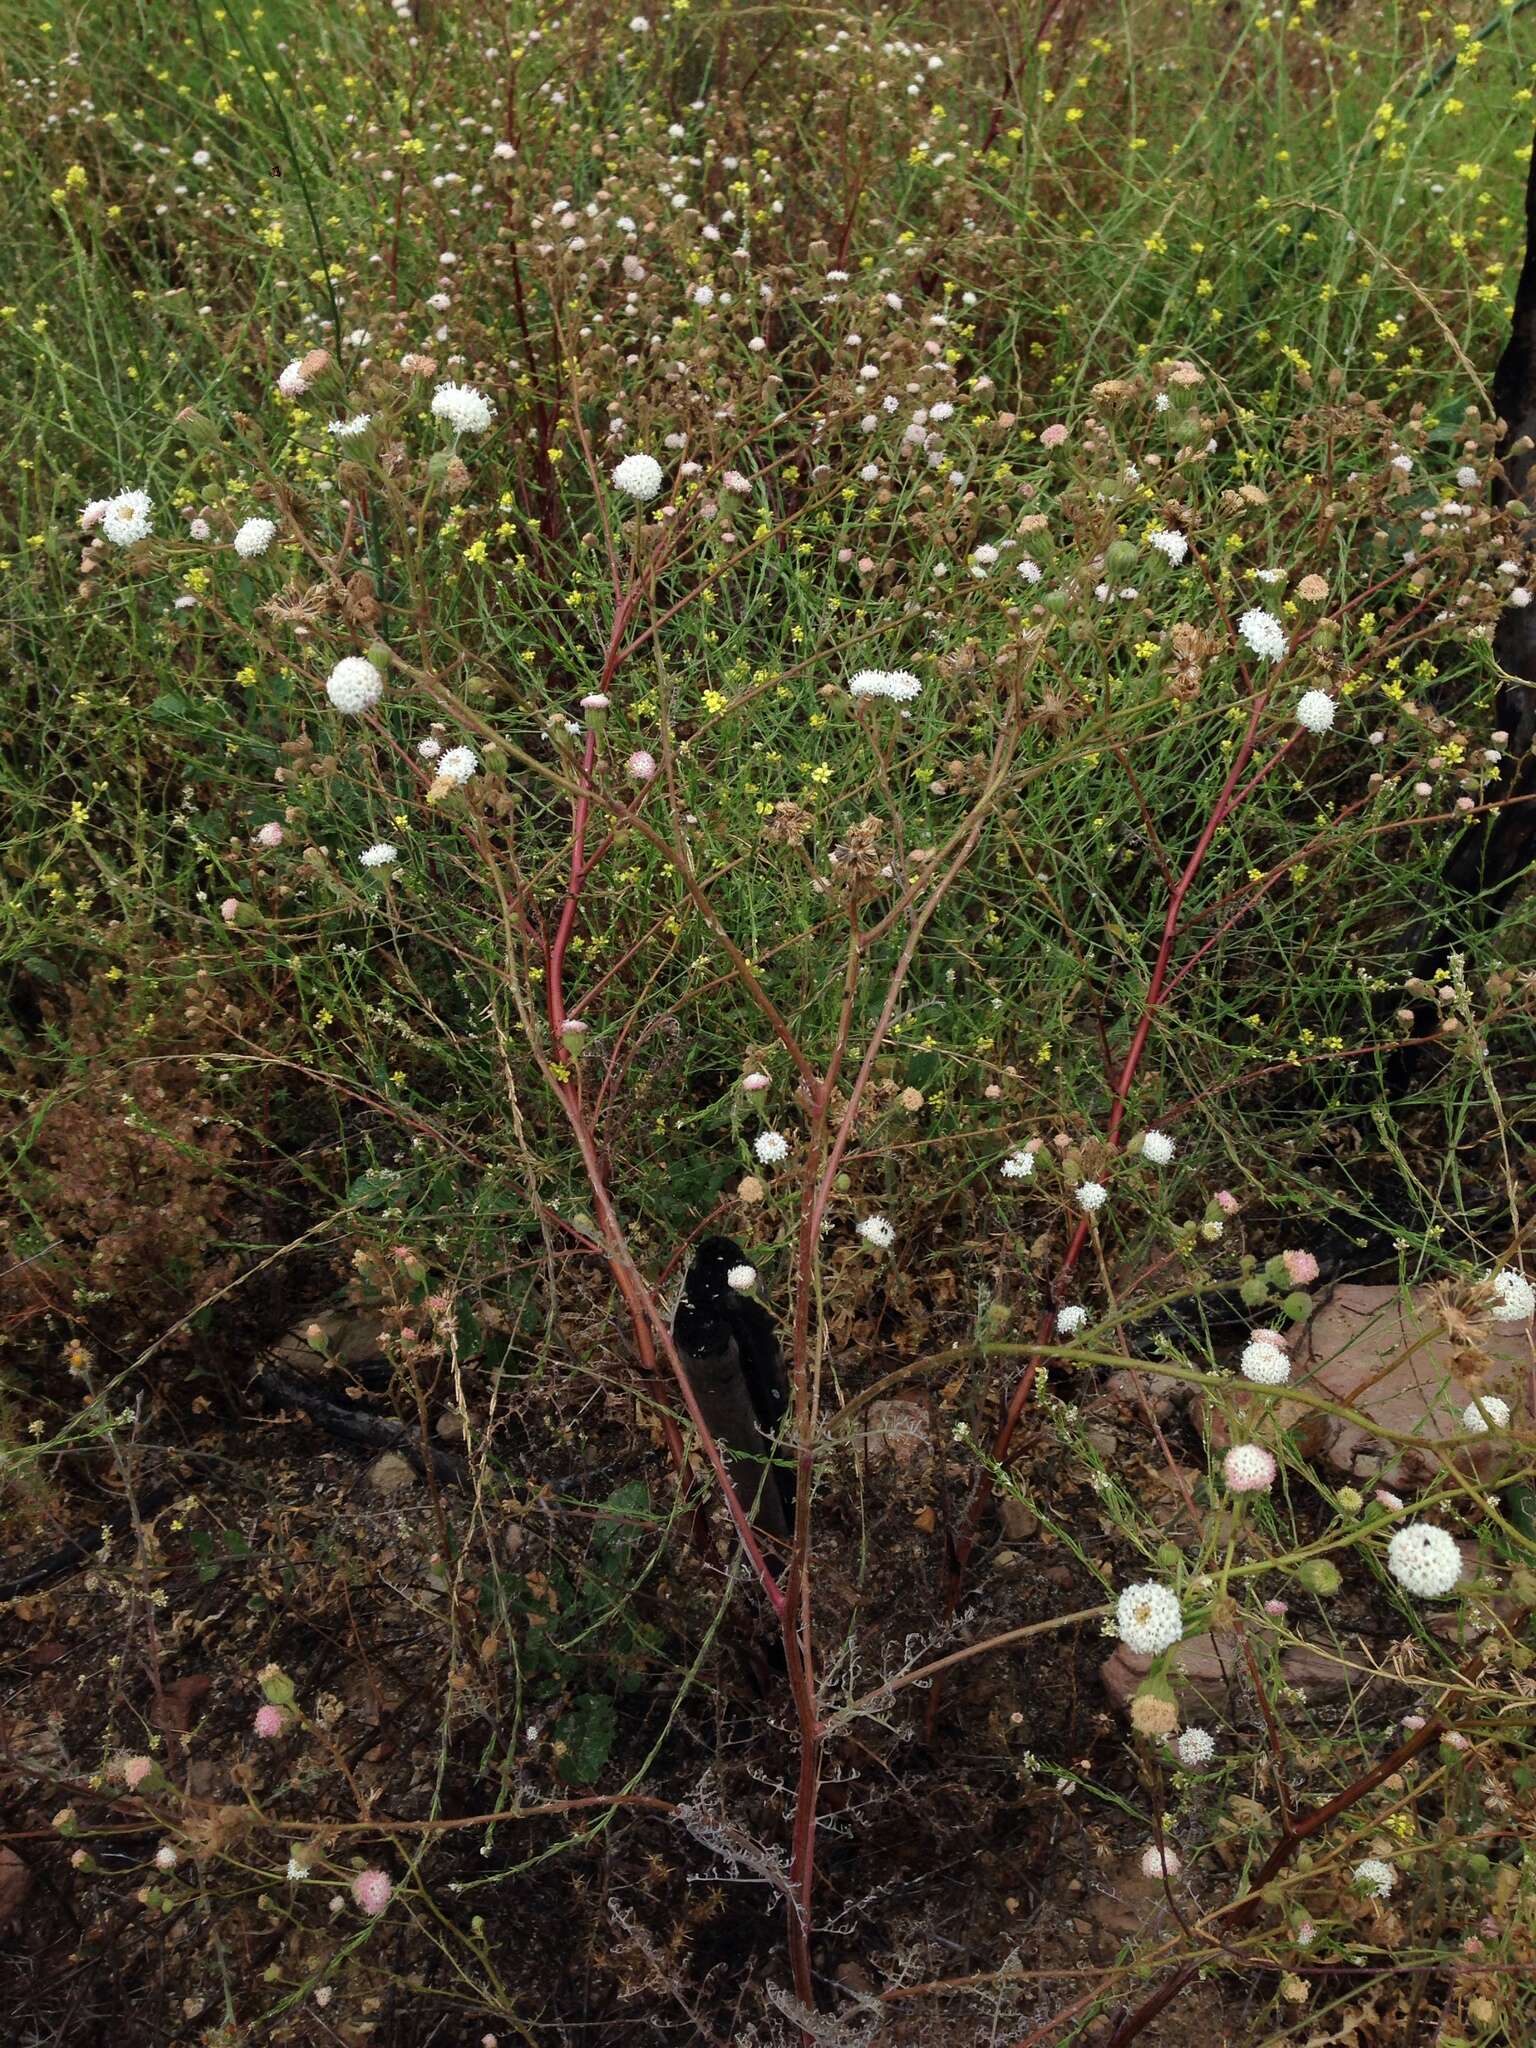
[1238, 1913]
[1227, 801]
[651, 1330]
[580, 867]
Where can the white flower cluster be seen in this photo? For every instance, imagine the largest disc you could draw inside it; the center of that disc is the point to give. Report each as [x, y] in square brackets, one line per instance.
[771, 1147]
[463, 408]
[1263, 632]
[899, 684]
[380, 855]
[638, 477]
[123, 519]
[1485, 1413]
[1263, 1361]
[1375, 1877]
[1071, 1319]
[1157, 1148]
[1425, 1560]
[1018, 1165]
[877, 1231]
[354, 685]
[1149, 1618]
[458, 764]
[742, 1278]
[1516, 1301]
[1315, 711]
[1091, 1195]
[1168, 543]
[254, 538]
[1196, 1746]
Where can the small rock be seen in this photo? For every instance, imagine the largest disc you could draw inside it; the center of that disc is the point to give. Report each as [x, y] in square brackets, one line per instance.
[1020, 1522]
[390, 1473]
[1386, 1354]
[1206, 1665]
[898, 1430]
[15, 1883]
[1162, 1393]
[179, 1701]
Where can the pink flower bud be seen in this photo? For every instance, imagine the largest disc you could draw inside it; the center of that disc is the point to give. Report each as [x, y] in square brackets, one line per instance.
[1248, 1468]
[372, 1890]
[270, 1721]
[1302, 1268]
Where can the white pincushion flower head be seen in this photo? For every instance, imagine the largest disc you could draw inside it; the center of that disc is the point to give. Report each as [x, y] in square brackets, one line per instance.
[1264, 1362]
[771, 1147]
[742, 1279]
[1091, 1195]
[898, 684]
[292, 382]
[1149, 1619]
[1018, 1165]
[877, 1231]
[1263, 632]
[1196, 1746]
[1071, 1319]
[1516, 1297]
[1168, 543]
[350, 429]
[1314, 711]
[1425, 1560]
[1375, 1877]
[126, 518]
[379, 855]
[638, 477]
[901, 686]
[458, 764]
[1156, 1862]
[255, 537]
[463, 408]
[354, 685]
[1485, 1413]
[1157, 1148]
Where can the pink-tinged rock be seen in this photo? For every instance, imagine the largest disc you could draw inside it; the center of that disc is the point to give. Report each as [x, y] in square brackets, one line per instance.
[1214, 1671]
[1388, 1355]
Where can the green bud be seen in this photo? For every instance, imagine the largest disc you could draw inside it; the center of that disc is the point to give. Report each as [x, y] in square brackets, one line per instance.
[1057, 601]
[1121, 555]
[198, 429]
[1254, 1292]
[377, 651]
[1319, 1576]
[1296, 1306]
[1169, 1557]
[277, 1687]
